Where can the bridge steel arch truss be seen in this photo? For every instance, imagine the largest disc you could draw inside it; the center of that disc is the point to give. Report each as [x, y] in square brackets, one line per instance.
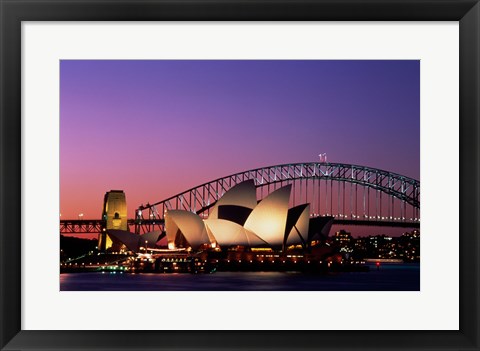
[360, 193]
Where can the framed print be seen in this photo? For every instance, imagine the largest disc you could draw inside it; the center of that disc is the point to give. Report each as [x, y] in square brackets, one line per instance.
[239, 175]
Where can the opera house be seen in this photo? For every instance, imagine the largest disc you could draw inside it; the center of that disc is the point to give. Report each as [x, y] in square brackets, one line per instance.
[236, 220]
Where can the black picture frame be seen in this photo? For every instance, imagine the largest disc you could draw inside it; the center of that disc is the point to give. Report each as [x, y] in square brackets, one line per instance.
[13, 12]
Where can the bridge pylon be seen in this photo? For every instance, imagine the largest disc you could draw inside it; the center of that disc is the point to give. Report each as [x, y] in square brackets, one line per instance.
[114, 216]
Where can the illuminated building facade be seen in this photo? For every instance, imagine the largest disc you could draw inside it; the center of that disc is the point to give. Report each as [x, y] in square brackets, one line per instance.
[237, 219]
[114, 214]
[343, 239]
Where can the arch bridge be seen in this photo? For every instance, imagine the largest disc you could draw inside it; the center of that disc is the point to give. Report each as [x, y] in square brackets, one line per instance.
[352, 194]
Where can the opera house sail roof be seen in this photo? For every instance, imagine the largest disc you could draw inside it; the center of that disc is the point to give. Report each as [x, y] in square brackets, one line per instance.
[185, 226]
[298, 222]
[228, 233]
[133, 242]
[237, 219]
[239, 200]
[269, 217]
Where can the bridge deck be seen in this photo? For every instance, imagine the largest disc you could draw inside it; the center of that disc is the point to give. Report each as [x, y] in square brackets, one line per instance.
[91, 226]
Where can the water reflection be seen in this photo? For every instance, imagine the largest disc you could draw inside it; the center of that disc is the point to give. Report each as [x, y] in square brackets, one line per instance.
[404, 277]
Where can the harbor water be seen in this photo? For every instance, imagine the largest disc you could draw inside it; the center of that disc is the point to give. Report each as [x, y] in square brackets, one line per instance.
[387, 277]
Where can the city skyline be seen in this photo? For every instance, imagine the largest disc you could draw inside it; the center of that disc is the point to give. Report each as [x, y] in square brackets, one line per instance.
[157, 128]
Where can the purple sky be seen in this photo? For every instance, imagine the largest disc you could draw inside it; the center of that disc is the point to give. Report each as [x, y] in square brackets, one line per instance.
[156, 128]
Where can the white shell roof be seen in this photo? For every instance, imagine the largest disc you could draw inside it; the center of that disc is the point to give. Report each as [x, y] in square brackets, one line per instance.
[269, 217]
[229, 233]
[151, 237]
[242, 194]
[300, 228]
[189, 224]
[130, 240]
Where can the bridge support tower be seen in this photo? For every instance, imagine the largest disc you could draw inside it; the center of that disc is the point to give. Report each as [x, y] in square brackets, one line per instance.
[114, 216]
